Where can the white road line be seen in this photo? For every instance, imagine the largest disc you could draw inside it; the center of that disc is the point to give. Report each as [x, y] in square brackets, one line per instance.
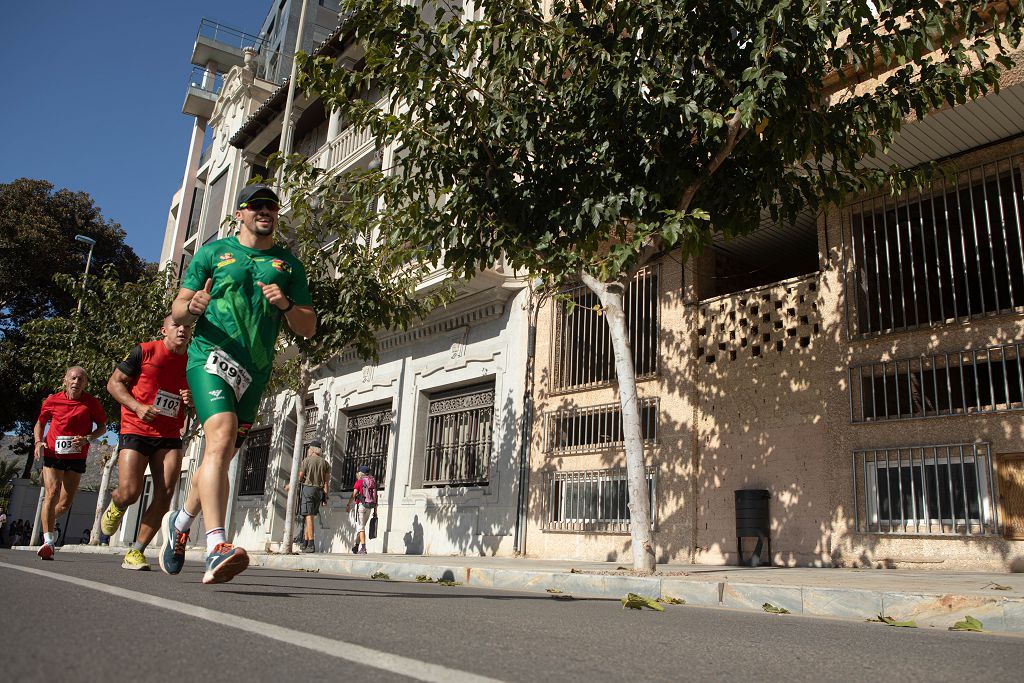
[392, 663]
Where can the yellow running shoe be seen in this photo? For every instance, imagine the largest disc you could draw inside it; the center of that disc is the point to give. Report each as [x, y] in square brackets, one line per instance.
[111, 519]
[133, 559]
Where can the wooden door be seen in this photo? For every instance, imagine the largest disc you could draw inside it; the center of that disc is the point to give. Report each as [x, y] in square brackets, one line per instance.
[1011, 494]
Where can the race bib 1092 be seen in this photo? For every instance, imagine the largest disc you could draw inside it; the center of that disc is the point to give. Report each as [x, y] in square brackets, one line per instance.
[227, 368]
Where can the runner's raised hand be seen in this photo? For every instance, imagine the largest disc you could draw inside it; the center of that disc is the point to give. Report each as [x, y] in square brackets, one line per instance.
[201, 299]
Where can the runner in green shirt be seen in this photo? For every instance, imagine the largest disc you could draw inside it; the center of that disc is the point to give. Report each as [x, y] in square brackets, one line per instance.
[237, 291]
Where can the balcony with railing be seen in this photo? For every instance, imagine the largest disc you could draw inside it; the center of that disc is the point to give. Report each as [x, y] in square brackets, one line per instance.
[350, 146]
[222, 45]
[201, 95]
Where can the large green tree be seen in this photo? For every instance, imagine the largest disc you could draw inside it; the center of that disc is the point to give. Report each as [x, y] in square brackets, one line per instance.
[38, 225]
[115, 316]
[584, 142]
[361, 285]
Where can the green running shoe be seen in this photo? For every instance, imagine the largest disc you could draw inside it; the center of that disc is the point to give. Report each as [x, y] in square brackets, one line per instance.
[224, 563]
[111, 519]
[172, 550]
[133, 559]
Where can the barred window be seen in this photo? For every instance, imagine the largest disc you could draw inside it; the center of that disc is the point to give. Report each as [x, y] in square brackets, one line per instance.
[583, 348]
[934, 490]
[953, 253]
[591, 500]
[459, 437]
[978, 381]
[367, 436]
[254, 469]
[597, 427]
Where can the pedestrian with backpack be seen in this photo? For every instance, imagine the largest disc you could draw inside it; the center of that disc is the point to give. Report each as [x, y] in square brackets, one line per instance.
[364, 500]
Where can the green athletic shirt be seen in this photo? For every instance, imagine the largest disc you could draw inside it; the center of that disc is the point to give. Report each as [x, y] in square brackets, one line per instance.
[239, 319]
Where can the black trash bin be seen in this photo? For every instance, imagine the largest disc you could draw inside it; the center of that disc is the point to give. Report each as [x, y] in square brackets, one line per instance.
[753, 519]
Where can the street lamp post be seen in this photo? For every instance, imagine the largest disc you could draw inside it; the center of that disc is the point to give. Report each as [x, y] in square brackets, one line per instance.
[88, 260]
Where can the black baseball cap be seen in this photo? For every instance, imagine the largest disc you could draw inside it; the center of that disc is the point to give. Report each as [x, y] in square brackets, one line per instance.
[251, 192]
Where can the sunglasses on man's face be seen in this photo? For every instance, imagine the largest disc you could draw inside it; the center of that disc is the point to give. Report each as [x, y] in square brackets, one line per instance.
[259, 205]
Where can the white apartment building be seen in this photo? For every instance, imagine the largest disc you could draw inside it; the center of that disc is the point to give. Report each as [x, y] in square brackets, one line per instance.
[439, 418]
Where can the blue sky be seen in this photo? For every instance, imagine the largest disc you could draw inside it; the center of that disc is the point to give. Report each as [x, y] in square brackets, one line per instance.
[93, 95]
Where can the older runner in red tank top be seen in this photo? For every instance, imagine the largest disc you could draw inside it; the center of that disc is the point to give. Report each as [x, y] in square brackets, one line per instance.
[150, 385]
[71, 415]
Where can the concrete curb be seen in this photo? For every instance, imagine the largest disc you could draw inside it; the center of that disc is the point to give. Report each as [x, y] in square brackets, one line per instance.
[928, 609]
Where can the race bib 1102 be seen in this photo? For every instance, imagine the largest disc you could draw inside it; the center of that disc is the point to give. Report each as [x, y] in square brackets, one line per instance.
[227, 368]
[167, 403]
[64, 445]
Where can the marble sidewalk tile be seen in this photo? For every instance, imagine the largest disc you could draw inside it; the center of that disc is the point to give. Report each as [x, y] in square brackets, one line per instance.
[942, 611]
[753, 596]
[842, 602]
[693, 592]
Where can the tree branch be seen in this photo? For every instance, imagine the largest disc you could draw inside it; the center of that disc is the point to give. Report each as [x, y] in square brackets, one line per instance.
[732, 137]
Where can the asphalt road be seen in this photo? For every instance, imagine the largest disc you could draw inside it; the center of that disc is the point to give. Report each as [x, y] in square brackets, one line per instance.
[83, 618]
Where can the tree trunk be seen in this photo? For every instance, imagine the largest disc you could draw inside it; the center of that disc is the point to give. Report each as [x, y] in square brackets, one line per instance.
[305, 378]
[101, 495]
[611, 297]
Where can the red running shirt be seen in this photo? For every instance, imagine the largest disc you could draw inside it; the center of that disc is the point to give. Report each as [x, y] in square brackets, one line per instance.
[69, 417]
[158, 376]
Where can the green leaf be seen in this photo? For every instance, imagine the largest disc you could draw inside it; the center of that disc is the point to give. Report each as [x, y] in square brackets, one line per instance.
[772, 609]
[968, 623]
[671, 601]
[423, 578]
[380, 576]
[892, 622]
[634, 601]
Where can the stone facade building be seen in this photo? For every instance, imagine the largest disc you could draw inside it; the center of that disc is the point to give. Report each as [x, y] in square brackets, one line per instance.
[863, 367]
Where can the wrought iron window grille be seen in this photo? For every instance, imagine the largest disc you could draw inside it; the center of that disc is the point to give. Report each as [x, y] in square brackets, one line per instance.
[580, 430]
[952, 253]
[988, 380]
[592, 500]
[459, 438]
[582, 354]
[940, 490]
[367, 437]
[254, 468]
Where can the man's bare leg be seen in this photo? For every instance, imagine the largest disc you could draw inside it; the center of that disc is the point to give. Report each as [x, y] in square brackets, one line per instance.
[165, 468]
[212, 486]
[53, 482]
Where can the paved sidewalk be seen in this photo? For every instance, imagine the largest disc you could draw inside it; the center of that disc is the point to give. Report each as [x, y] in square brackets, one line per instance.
[931, 598]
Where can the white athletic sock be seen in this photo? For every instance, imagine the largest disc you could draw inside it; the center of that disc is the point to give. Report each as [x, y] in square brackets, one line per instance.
[49, 537]
[183, 520]
[213, 537]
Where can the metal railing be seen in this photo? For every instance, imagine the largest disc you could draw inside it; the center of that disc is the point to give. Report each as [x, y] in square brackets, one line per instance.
[577, 430]
[229, 36]
[459, 438]
[591, 500]
[367, 437]
[351, 145]
[943, 490]
[254, 469]
[199, 80]
[582, 344]
[988, 380]
[954, 252]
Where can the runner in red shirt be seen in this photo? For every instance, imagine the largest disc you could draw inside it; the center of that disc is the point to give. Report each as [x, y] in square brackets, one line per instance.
[70, 415]
[150, 385]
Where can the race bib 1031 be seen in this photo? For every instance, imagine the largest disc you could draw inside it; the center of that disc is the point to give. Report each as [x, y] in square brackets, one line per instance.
[64, 445]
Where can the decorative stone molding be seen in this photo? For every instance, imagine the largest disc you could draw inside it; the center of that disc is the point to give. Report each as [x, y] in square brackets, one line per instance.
[482, 399]
[465, 319]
